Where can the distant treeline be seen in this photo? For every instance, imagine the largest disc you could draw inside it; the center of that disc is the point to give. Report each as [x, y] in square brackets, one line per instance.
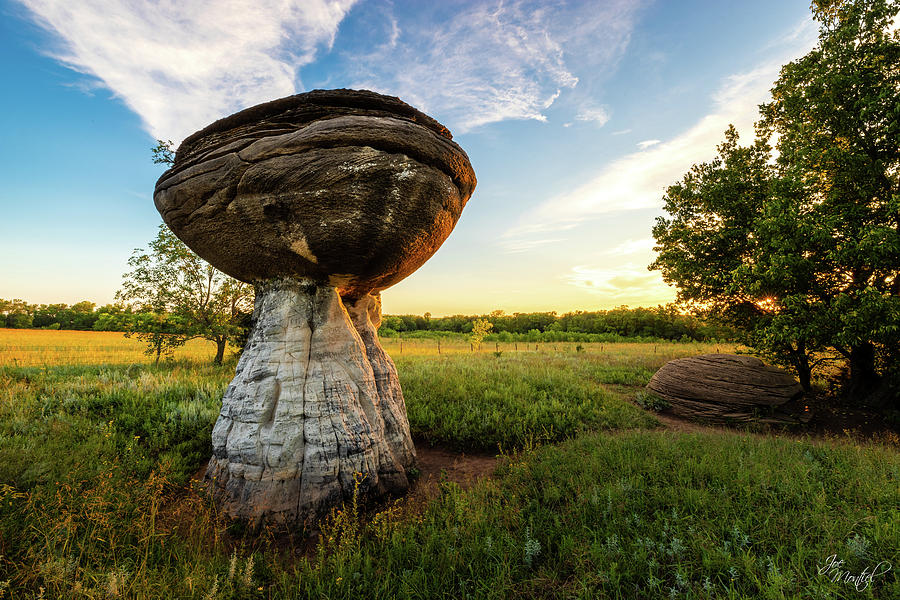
[662, 322]
[83, 316]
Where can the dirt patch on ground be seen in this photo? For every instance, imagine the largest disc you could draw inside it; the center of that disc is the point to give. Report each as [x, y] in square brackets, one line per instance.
[836, 419]
[438, 463]
[680, 425]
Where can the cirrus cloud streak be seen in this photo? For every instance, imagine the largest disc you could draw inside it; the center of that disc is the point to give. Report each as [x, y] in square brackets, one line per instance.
[181, 64]
[501, 60]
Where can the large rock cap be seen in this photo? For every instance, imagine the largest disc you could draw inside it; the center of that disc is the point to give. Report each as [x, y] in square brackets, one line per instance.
[725, 388]
[346, 187]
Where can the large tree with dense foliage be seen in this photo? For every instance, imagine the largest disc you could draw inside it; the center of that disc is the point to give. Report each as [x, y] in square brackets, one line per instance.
[803, 249]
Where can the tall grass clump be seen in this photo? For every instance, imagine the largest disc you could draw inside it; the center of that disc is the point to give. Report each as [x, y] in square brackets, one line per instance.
[485, 402]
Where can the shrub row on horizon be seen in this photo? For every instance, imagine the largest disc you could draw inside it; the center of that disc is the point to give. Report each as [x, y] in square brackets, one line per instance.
[662, 322]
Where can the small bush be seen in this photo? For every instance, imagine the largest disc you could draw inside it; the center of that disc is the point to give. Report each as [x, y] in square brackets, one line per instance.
[651, 401]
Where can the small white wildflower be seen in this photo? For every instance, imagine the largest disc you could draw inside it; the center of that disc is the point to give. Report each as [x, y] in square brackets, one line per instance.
[532, 547]
[248, 572]
[858, 546]
[232, 565]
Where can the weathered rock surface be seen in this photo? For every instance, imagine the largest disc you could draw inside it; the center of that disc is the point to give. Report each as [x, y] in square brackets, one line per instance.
[365, 314]
[726, 388]
[304, 417]
[345, 187]
[321, 200]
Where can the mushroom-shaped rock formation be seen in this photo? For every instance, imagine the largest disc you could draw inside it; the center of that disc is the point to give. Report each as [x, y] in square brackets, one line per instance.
[321, 200]
[726, 388]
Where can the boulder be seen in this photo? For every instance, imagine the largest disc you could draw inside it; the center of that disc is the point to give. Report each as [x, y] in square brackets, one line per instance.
[727, 388]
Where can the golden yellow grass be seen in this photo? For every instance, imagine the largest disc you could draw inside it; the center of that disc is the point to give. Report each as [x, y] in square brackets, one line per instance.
[38, 347]
[615, 351]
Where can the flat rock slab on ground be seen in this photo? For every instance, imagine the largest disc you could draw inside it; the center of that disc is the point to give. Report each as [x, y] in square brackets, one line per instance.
[723, 388]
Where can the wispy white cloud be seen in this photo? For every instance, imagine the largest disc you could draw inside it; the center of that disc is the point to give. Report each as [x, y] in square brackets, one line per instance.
[638, 180]
[599, 116]
[182, 64]
[395, 32]
[632, 247]
[628, 281]
[621, 132]
[500, 60]
[516, 246]
[647, 143]
[88, 87]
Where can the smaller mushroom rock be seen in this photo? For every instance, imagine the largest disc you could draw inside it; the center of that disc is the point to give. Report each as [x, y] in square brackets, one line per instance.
[726, 388]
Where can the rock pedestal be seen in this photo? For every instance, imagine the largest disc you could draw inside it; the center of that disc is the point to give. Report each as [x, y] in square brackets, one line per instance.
[321, 200]
[304, 417]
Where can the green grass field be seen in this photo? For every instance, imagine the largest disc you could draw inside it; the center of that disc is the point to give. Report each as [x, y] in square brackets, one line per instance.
[591, 498]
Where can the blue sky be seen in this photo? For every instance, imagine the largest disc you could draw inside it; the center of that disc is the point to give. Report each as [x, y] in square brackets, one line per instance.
[575, 115]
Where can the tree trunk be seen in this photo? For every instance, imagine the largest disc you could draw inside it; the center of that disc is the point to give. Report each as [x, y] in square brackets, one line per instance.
[220, 350]
[804, 374]
[804, 371]
[314, 413]
[864, 379]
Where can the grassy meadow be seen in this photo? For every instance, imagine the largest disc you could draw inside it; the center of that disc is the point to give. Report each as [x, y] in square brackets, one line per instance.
[592, 498]
[43, 347]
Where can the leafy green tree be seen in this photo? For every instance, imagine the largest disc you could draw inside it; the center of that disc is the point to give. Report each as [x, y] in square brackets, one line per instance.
[16, 314]
[480, 328]
[836, 114]
[803, 251]
[714, 242]
[198, 300]
[163, 152]
[161, 332]
[48, 314]
[171, 280]
[19, 320]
